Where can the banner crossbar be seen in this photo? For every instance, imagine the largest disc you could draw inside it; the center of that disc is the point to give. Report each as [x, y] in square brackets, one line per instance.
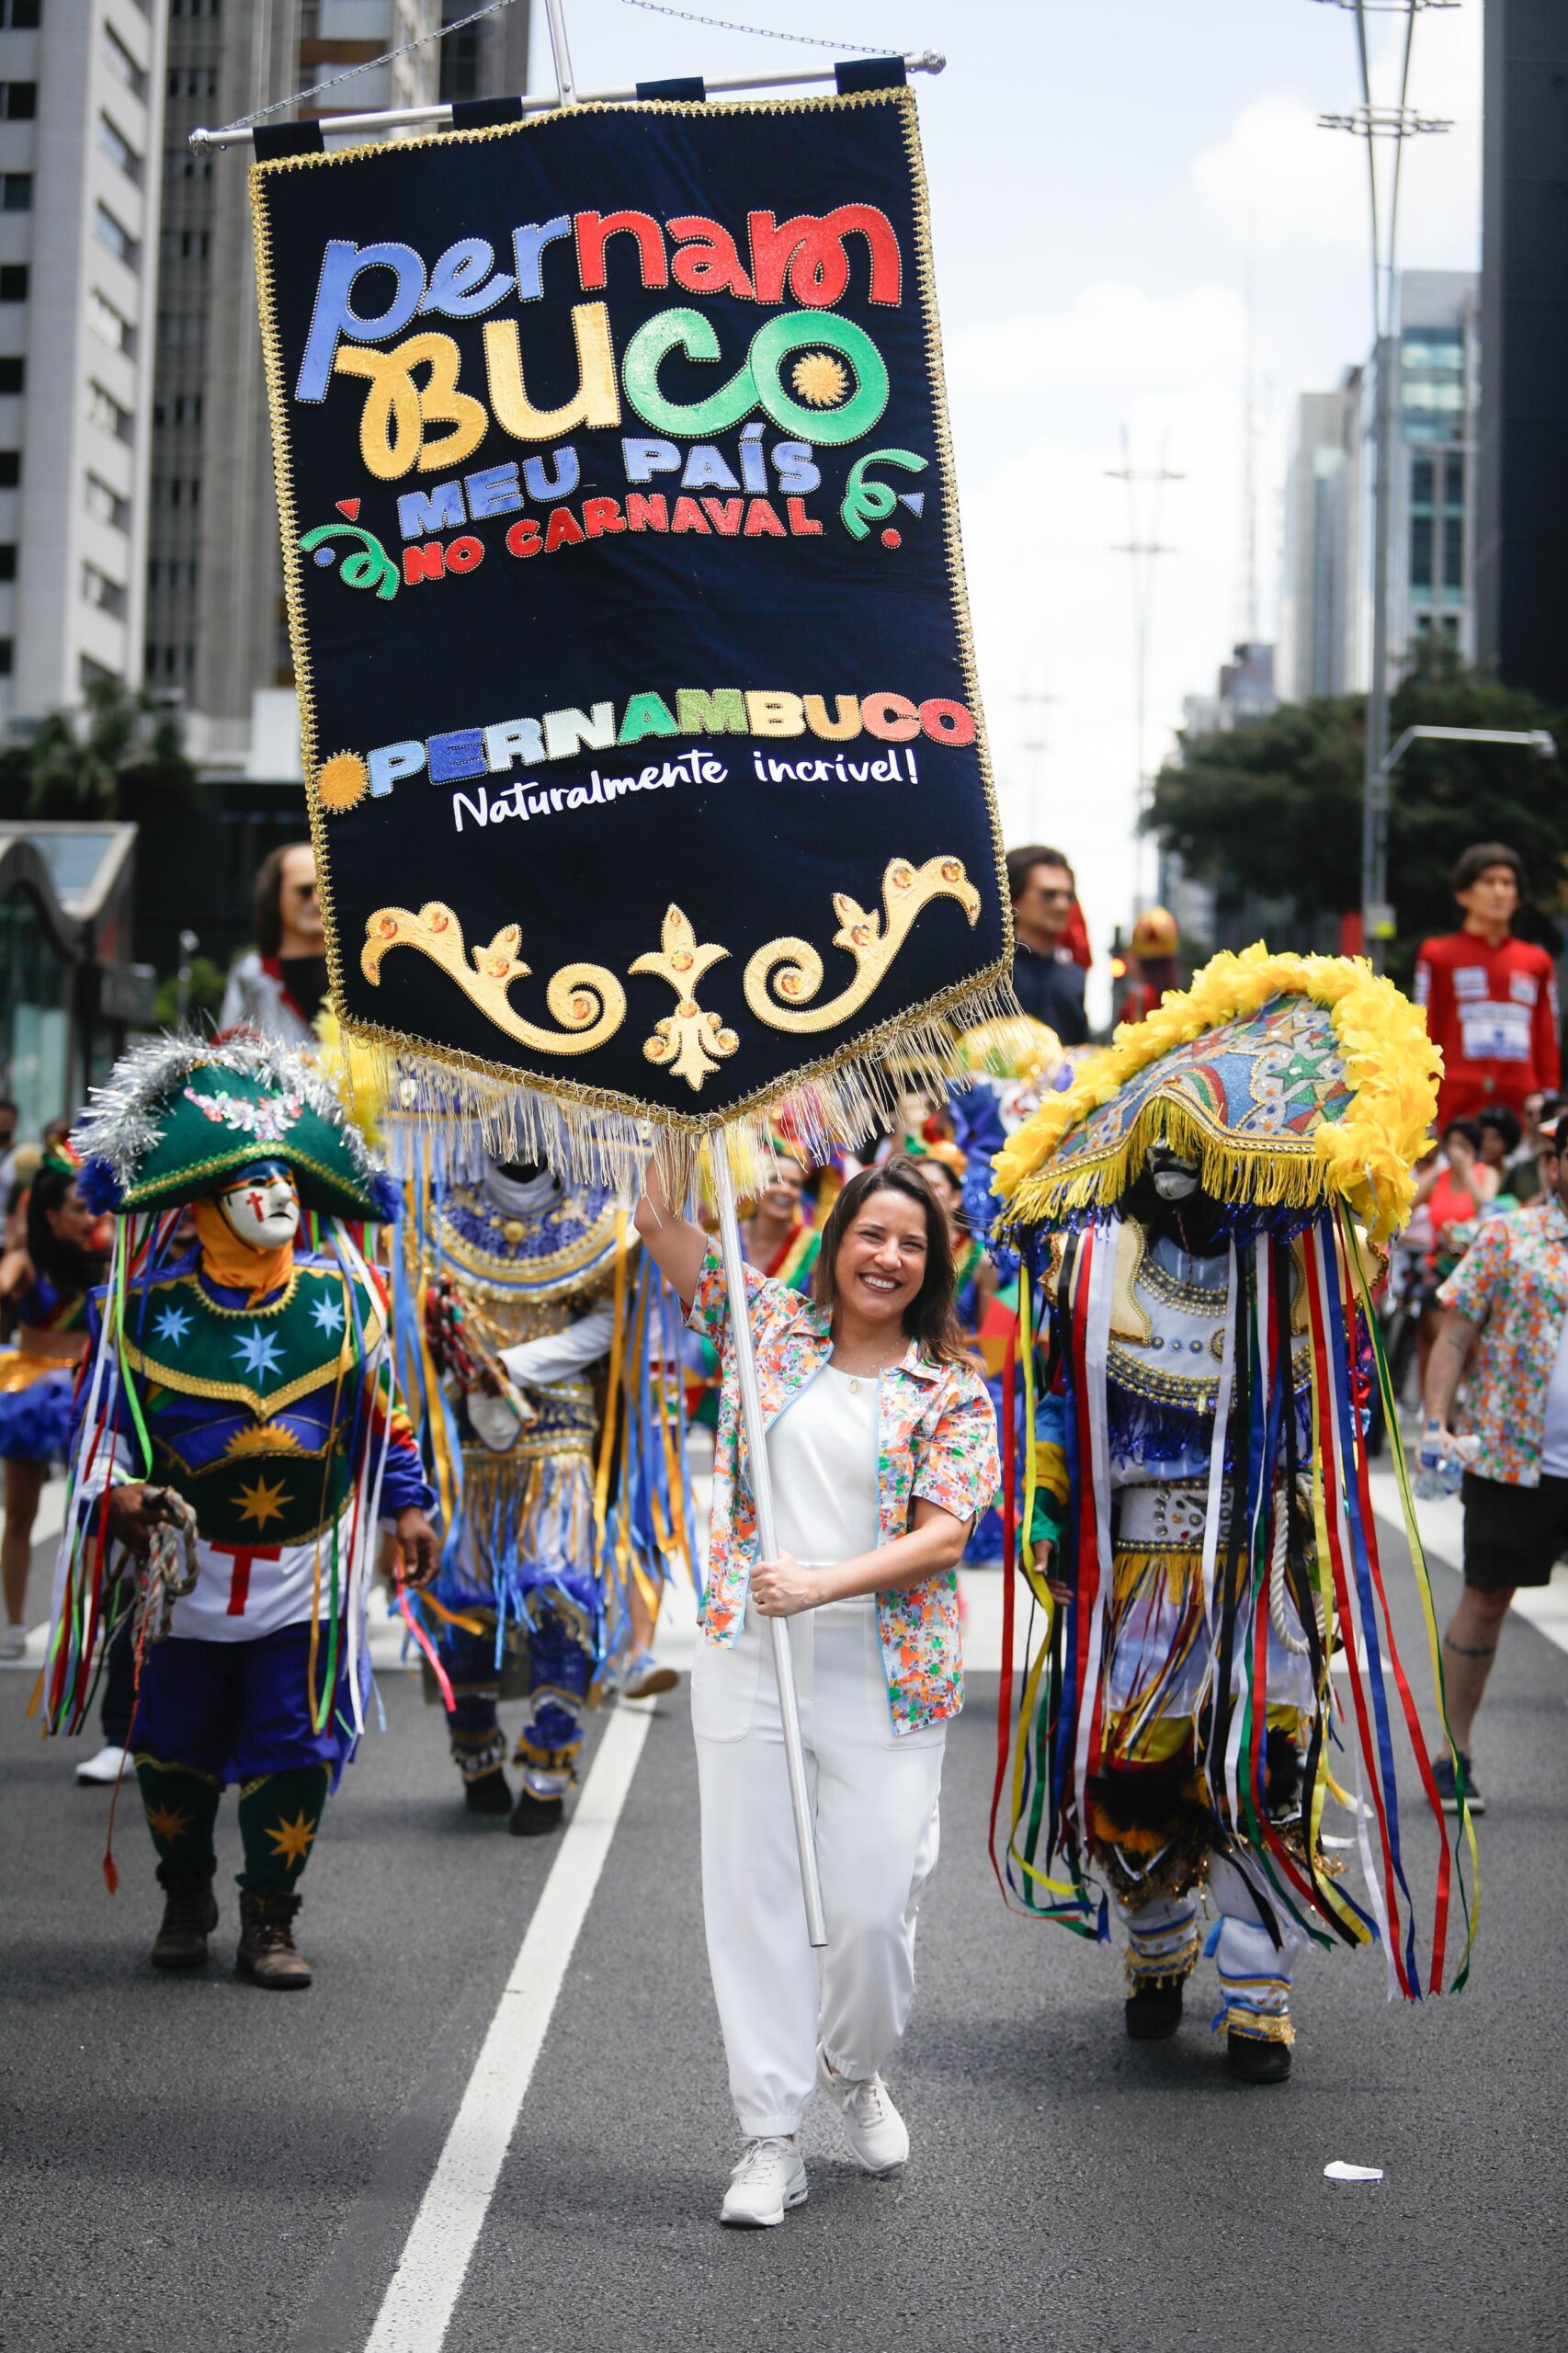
[929, 61]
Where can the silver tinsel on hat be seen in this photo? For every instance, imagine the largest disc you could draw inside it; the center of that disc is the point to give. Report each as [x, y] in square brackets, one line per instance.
[121, 1122]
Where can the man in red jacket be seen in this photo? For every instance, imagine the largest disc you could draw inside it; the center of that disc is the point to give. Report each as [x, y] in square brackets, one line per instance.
[1491, 999]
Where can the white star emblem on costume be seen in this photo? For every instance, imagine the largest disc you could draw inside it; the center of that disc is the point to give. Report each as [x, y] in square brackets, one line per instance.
[172, 1325]
[327, 1313]
[257, 1351]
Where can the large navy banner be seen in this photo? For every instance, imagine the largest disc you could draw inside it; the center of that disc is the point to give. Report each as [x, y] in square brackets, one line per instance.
[644, 750]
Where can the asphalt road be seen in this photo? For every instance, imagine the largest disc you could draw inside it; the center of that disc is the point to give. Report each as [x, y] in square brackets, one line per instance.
[192, 2166]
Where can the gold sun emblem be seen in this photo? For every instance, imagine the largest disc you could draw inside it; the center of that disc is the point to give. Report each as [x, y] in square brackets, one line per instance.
[167, 1823]
[291, 1840]
[268, 1439]
[819, 378]
[342, 782]
[263, 1502]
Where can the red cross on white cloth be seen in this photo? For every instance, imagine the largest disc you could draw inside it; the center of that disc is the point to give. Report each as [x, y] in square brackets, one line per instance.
[239, 1582]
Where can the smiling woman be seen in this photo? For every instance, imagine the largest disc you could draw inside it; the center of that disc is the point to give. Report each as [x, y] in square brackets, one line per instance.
[882, 1443]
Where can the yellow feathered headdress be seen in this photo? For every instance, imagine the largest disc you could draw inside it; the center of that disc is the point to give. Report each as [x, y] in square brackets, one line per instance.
[1294, 1081]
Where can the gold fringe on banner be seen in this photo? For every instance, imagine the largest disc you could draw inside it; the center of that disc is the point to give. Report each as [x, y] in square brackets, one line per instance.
[590, 1141]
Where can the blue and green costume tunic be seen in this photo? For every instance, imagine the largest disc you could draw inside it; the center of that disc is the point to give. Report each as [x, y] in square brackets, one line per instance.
[276, 1419]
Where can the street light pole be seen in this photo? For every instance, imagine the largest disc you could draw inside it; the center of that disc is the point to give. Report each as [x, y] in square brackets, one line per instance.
[1376, 924]
[1375, 846]
[1395, 124]
[1143, 544]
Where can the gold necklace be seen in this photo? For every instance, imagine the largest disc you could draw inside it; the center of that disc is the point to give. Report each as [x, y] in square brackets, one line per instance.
[854, 1379]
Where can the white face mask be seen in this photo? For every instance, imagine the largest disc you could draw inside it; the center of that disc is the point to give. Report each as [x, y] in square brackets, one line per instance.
[262, 1208]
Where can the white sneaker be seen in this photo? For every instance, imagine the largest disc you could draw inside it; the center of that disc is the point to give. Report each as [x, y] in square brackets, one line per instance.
[770, 2179]
[13, 1642]
[875, 2130]
[103, 1769]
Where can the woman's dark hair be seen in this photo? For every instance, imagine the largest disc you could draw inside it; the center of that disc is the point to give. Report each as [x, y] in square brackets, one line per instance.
[930, 1319]
[1506, 1125]
[267, 917]
[1468, 1128]
[66, 1267]
[950, 1177]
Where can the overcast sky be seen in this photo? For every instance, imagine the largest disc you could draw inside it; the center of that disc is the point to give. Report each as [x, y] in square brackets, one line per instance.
[1099, 174]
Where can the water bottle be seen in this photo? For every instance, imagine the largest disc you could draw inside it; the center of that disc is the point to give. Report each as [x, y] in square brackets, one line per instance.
[1443, 1462]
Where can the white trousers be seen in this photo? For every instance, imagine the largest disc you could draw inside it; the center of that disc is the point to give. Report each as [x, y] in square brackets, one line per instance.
[874, 1795]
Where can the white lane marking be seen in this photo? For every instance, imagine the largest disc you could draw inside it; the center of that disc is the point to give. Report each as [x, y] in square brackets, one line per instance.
[1441, 1522]
[423, 2296]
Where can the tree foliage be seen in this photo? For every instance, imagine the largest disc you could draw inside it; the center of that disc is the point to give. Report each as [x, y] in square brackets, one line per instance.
[208, 982]
[76, 763]
[1275, 807]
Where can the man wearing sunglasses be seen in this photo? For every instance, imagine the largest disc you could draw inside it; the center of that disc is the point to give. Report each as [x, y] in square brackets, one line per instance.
[1047, 981]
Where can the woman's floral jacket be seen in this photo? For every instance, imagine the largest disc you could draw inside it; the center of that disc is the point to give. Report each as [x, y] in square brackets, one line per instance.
[937, 1440]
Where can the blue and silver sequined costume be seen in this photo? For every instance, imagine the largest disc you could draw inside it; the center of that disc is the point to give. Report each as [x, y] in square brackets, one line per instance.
[534, 1582]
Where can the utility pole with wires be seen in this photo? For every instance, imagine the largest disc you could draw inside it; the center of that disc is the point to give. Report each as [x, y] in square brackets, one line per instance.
[1037, 746]
[1145, 489]
[1385, 129]
[1249, 607]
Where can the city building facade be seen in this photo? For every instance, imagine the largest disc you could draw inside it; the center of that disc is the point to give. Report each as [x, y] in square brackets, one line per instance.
[1319, 585]
[1523, 501]
[1326, 586]
[81, 129]
[1432, 519]
[217, 641]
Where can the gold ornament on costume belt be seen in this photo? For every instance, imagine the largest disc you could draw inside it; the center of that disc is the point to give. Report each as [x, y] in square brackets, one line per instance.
[587, 1000]
[782, 997]
[687, 1041]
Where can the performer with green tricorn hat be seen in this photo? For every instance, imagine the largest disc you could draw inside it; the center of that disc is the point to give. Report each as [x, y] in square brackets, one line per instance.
[1198, 1212]
[238, 1435]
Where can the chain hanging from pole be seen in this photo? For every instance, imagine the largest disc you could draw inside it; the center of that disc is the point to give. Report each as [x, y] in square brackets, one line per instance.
[366, 65]
[767, 32]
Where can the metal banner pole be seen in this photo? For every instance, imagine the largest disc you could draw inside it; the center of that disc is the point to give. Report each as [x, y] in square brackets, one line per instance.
[762, 1496]
[202, 140]
[555, 12]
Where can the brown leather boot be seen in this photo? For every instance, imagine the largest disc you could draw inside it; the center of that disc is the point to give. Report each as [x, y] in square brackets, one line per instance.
[267, 1952]
[190, 1915]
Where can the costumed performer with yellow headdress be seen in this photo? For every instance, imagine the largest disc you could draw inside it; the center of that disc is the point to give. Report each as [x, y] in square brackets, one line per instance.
[1199, 1542]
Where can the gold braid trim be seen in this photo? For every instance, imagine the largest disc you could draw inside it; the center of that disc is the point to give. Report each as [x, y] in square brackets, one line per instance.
[1162, 1968]
[1255, 2026]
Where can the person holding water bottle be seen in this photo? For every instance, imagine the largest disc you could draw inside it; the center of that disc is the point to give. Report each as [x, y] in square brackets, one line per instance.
[1506, 1319]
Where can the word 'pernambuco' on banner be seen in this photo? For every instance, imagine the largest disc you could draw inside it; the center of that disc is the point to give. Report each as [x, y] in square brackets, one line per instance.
[565, 412]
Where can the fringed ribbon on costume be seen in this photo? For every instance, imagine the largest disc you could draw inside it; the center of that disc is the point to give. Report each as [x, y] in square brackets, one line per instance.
[1041, 1825]
[1259, 1587]
[642, 1530]
[107, 1395]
